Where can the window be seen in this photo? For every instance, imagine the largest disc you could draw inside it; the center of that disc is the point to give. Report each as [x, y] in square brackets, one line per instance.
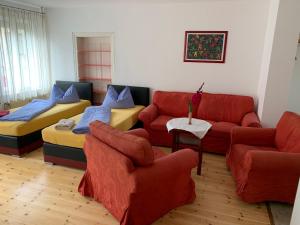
[24, 69]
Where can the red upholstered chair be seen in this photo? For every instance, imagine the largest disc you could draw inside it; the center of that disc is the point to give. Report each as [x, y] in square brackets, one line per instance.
[266, 162]
[136, 182]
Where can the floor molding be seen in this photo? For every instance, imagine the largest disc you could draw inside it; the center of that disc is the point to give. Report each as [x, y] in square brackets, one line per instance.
[280, 213]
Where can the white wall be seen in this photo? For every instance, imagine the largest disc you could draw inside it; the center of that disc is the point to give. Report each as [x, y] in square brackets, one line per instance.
[149, 41]
[267, 53]
[294, 95]
[273, 101]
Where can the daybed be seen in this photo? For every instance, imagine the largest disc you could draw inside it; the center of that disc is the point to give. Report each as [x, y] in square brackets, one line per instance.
[19, 137]
[223, 111]
[65, 147]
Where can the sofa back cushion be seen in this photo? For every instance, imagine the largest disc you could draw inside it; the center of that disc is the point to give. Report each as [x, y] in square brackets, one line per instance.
[224, 107]
[287, 137]
[138, 149]
[172, 103]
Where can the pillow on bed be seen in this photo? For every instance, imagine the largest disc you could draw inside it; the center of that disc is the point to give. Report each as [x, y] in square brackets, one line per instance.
[114, 100]
[70, 96]
[56, 93]
[59, 96]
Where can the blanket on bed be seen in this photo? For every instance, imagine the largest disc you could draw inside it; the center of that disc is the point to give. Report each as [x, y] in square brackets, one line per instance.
[29, 111]
[91, 114]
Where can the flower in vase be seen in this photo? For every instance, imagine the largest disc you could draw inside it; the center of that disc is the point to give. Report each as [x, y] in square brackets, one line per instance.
[196, 98]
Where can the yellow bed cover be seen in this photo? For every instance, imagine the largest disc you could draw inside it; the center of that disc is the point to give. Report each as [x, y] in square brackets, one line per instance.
[122, 119]
[59, 111]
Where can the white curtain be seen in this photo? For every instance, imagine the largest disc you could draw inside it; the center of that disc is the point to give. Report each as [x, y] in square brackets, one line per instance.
[24, 67]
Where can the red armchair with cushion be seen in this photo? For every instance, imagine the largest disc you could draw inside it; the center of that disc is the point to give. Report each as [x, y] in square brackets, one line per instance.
[222, 110]
[136, 182]
[266, 162]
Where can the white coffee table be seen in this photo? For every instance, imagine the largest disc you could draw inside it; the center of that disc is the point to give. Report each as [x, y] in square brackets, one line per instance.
[188, 135]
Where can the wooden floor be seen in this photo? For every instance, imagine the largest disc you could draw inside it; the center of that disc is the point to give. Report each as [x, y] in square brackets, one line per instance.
[34, 193]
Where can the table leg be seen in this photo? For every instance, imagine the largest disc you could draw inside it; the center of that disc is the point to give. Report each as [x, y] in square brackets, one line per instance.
[200, 159]
[174, 143]
[177, 141]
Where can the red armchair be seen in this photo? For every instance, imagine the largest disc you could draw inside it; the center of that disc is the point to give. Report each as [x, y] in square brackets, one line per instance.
[136, 182]
[222, 110]
[265, 163]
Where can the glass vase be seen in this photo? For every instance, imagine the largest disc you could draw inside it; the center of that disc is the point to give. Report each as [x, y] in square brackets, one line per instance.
[190, 115]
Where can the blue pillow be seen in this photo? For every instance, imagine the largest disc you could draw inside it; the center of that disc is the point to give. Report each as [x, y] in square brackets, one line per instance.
[59, 96]
[56, 93]
[122, 101]
[70, 96]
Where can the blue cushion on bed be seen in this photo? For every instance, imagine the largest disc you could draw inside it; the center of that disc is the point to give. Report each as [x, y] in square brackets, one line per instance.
[70, 96]
[122, 101]
[92, 113]
[56, 93]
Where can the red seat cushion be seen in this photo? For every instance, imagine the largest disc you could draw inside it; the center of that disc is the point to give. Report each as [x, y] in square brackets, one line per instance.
[158, 153]
[221, 129]
[138, 149]
[160, 122]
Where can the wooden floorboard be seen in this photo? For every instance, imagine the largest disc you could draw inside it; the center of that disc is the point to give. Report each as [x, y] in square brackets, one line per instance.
[35, 193]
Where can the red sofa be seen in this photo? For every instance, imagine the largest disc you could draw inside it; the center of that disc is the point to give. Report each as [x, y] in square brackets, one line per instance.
[265, 163]
[222, 110]
[136, 182]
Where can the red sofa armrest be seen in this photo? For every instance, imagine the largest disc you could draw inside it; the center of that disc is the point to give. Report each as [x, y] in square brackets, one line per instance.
[253, 136]
[251, 120]
[148, 114]
[274, 162]
[167, 167]
[139, 132]
[268, 175]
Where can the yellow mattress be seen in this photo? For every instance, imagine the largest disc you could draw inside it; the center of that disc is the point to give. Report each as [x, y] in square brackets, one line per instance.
[59, 111]
[122, 119]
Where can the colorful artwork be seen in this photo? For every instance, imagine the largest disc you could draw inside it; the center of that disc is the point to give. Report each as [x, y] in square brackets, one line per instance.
[205, 46]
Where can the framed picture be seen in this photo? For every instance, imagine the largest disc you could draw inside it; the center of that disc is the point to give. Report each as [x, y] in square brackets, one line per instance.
[205, 46]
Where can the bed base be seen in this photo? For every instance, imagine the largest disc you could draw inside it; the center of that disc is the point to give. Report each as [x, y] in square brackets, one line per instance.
[20, 145]
[64, 156]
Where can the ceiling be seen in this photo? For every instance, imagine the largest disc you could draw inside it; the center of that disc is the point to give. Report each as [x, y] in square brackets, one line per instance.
[82, 3]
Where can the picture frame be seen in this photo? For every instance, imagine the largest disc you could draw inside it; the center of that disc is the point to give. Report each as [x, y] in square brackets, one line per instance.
[205, 46]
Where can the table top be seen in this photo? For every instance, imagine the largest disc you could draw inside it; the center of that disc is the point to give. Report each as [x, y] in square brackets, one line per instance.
[198, 127]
